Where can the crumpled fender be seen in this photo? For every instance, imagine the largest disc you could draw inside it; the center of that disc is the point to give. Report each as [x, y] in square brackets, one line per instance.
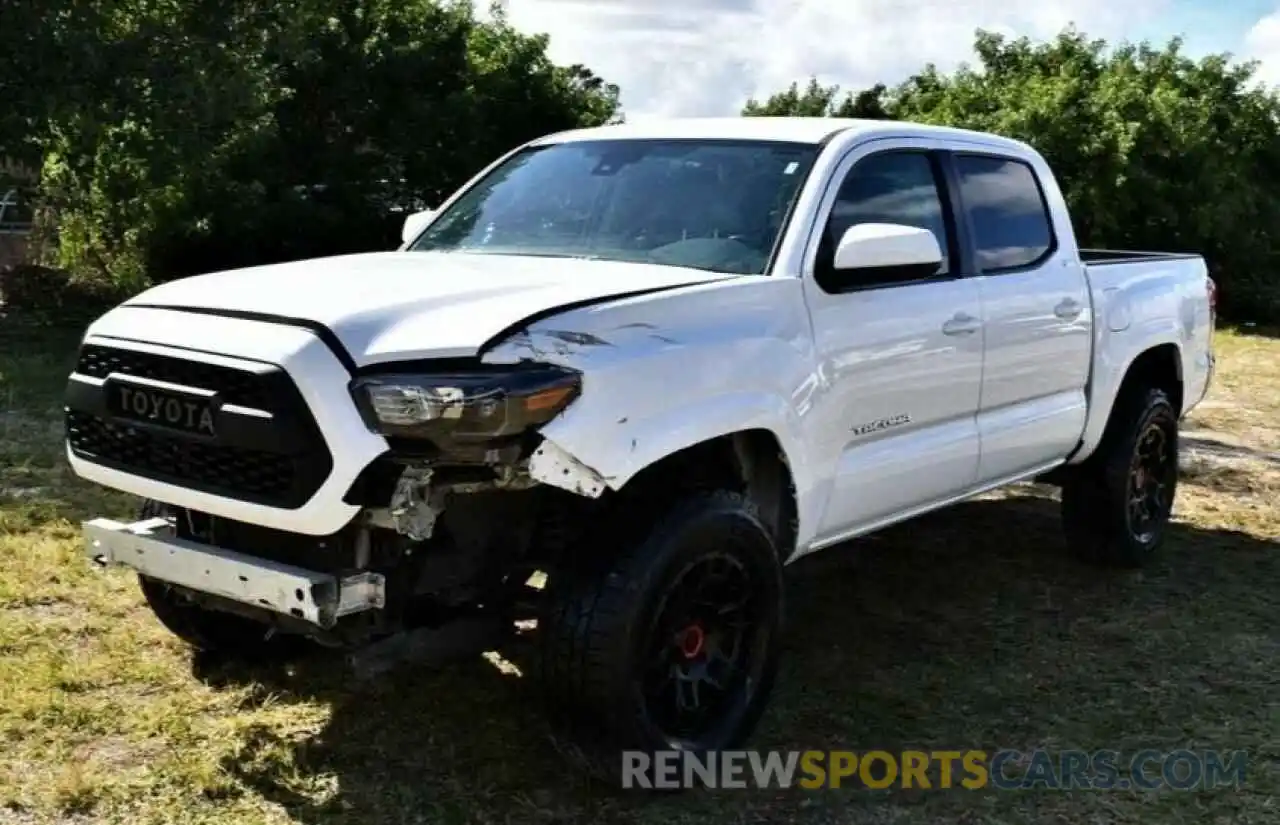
[666, 371]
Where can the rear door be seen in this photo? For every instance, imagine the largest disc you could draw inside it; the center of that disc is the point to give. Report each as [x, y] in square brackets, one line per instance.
[1037, 315]
[900, 356]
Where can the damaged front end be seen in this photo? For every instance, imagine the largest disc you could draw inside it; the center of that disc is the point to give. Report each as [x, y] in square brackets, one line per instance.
[455, 519]
[477, 500]
[479, 418]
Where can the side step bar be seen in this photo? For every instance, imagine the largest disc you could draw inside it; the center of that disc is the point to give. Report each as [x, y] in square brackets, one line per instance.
[152, 548]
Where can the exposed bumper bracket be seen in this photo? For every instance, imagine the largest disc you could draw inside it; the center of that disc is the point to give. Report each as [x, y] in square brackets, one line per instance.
[551, 464]
[151, 548]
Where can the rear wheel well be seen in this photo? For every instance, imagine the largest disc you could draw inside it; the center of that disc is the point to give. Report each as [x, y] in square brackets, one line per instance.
[1158, 368]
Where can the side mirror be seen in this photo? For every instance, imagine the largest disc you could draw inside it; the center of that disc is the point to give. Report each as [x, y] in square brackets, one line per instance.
[415, 223]
[887, 252]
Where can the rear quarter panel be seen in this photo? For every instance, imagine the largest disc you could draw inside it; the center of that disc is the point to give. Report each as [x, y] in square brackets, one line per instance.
[1141, 305]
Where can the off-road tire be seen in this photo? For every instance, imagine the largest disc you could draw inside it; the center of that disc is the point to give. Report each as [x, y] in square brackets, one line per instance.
[1096, 513]
[600, 614]
[208, 631]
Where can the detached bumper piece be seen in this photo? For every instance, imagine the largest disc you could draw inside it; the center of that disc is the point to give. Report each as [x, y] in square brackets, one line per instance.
[151, 548]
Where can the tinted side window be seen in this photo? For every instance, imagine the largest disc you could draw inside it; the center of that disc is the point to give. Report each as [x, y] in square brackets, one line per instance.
[894, 187]
[1011, 224]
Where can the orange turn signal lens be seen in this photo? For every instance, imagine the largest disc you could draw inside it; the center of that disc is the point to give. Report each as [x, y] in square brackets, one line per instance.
[552, 398]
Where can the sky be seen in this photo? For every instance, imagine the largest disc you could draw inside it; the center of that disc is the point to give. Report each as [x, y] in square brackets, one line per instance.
[707, 57]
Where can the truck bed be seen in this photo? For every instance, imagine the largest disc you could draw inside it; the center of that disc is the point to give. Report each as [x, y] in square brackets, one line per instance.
[1136, 293]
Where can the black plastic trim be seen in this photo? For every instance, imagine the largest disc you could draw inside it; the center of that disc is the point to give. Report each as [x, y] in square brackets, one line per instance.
[179, 347]
[884, 277]
[322, 332]
[1107, 257]
[832, 135]
[961, 223]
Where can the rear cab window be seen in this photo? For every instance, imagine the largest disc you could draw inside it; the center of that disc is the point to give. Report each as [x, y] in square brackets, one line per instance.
[1012, 228]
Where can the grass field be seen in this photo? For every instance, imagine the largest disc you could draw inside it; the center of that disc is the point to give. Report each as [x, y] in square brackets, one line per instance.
[968, 629]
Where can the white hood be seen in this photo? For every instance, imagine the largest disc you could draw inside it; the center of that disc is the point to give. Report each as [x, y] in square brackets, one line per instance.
[405, 305]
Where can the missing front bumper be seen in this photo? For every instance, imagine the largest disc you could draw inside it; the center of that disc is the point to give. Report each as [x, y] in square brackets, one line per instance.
[151, 548]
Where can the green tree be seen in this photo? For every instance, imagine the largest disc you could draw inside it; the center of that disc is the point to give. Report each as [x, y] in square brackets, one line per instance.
[180, 137]
[817, 100]
[1154, 149]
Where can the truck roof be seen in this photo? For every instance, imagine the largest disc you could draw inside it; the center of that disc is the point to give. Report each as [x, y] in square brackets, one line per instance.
[812, 130]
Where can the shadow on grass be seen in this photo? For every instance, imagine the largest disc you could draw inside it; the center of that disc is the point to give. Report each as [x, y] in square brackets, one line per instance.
[969, 628]
[1216, 448]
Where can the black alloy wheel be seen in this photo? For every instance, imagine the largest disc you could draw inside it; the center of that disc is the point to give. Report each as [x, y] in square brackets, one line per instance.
[671, 640]
[705, 651]
[1117, 505]
[1151, 479]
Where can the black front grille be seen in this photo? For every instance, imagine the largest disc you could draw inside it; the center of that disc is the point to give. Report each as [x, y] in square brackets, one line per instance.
[253, 474]
[235, 386]
[280, 462]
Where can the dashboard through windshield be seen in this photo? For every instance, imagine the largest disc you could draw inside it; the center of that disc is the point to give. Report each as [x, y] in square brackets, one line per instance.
[717, 205]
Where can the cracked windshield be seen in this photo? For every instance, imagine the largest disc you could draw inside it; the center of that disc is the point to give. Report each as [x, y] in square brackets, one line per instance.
[713, 205]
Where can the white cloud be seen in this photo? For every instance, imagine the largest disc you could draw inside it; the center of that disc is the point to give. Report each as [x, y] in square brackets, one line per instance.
[706, 57]
[1263, 44]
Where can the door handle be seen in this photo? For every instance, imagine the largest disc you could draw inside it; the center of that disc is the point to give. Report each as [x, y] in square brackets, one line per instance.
[961, 324]
[1068, 309]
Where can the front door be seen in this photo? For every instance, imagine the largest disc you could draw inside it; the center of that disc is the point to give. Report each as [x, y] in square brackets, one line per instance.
[901, 360]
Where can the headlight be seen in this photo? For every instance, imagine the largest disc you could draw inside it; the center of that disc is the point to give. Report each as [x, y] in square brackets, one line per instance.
[477, 405]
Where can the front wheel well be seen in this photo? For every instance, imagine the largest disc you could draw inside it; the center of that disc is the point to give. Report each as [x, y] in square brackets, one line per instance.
[752, 462]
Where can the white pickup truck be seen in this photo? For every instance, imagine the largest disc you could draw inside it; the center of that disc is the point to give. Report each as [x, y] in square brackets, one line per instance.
[615, 385]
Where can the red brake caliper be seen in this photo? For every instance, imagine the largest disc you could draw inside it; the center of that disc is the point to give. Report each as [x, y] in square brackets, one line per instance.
[692, 639]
